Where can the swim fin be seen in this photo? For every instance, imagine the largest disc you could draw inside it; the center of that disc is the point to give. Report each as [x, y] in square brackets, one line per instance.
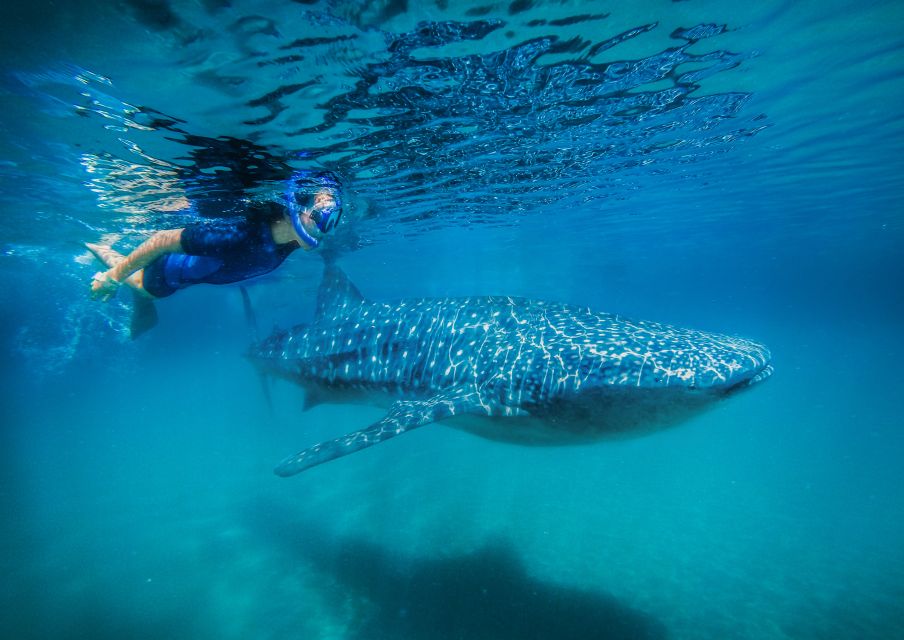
[144, 315]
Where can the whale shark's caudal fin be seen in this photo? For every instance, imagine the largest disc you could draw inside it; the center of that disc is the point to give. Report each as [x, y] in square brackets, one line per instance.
[403, 416]
[251, 321]
[336, 291]
[250, 317]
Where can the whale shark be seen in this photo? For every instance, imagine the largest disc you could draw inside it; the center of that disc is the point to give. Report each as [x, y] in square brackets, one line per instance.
[510, 369]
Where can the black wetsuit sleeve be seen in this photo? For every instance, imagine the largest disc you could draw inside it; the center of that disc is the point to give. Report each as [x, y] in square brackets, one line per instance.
[216, 238]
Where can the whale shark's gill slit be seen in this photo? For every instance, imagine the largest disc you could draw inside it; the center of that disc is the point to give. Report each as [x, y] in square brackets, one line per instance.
[766, 372]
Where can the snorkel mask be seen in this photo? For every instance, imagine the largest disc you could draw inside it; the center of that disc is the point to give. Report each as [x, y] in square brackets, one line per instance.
[301, 192]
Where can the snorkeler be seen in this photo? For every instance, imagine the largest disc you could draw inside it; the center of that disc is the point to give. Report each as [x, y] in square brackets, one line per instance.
[221, 252]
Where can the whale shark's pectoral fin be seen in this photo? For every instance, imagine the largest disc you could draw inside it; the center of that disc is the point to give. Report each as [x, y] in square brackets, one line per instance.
[403, 416]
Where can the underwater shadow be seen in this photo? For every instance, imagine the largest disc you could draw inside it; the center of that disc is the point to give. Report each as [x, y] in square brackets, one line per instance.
[486, 593]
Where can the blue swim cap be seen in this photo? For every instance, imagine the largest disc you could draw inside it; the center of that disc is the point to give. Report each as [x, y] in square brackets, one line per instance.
[301, 190]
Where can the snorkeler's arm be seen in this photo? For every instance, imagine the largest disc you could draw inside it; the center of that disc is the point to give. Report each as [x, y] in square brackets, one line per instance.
[169, 241]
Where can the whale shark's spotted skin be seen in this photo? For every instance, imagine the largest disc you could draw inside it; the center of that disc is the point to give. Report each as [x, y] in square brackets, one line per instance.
[566, 373]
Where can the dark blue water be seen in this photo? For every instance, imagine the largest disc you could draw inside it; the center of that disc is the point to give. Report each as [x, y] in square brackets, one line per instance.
[728, 169]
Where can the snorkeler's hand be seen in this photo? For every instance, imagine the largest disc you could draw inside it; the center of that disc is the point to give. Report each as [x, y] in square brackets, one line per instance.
[103, 286]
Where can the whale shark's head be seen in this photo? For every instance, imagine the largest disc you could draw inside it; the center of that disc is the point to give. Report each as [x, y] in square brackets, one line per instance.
[708, 362]
[732, 364]
[648, 356]
[721, 364]
[756, 372]
[646, 378]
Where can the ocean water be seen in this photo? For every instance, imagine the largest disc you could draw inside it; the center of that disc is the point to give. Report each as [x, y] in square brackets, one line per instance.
[724, 168]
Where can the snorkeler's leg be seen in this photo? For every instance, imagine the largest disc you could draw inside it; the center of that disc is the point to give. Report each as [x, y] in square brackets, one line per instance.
[110, 258]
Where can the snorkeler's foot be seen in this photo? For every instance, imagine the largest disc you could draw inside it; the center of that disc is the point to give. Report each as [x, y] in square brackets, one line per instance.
[105, 254]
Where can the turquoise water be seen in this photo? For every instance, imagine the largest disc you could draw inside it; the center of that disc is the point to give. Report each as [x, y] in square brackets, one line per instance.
[728, 169]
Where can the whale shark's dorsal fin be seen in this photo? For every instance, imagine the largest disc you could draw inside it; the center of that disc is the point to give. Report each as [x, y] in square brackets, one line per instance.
[403, 416]
[336, 291]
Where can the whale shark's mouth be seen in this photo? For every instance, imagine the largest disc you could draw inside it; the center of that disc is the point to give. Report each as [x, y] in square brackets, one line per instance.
[760, 375]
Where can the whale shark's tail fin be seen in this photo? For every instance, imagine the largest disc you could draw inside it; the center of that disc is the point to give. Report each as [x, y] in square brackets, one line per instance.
[250, 318]
[403, 416]
[251, 321]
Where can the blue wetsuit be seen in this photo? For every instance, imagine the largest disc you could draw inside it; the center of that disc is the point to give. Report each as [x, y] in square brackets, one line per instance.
[218, 252]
